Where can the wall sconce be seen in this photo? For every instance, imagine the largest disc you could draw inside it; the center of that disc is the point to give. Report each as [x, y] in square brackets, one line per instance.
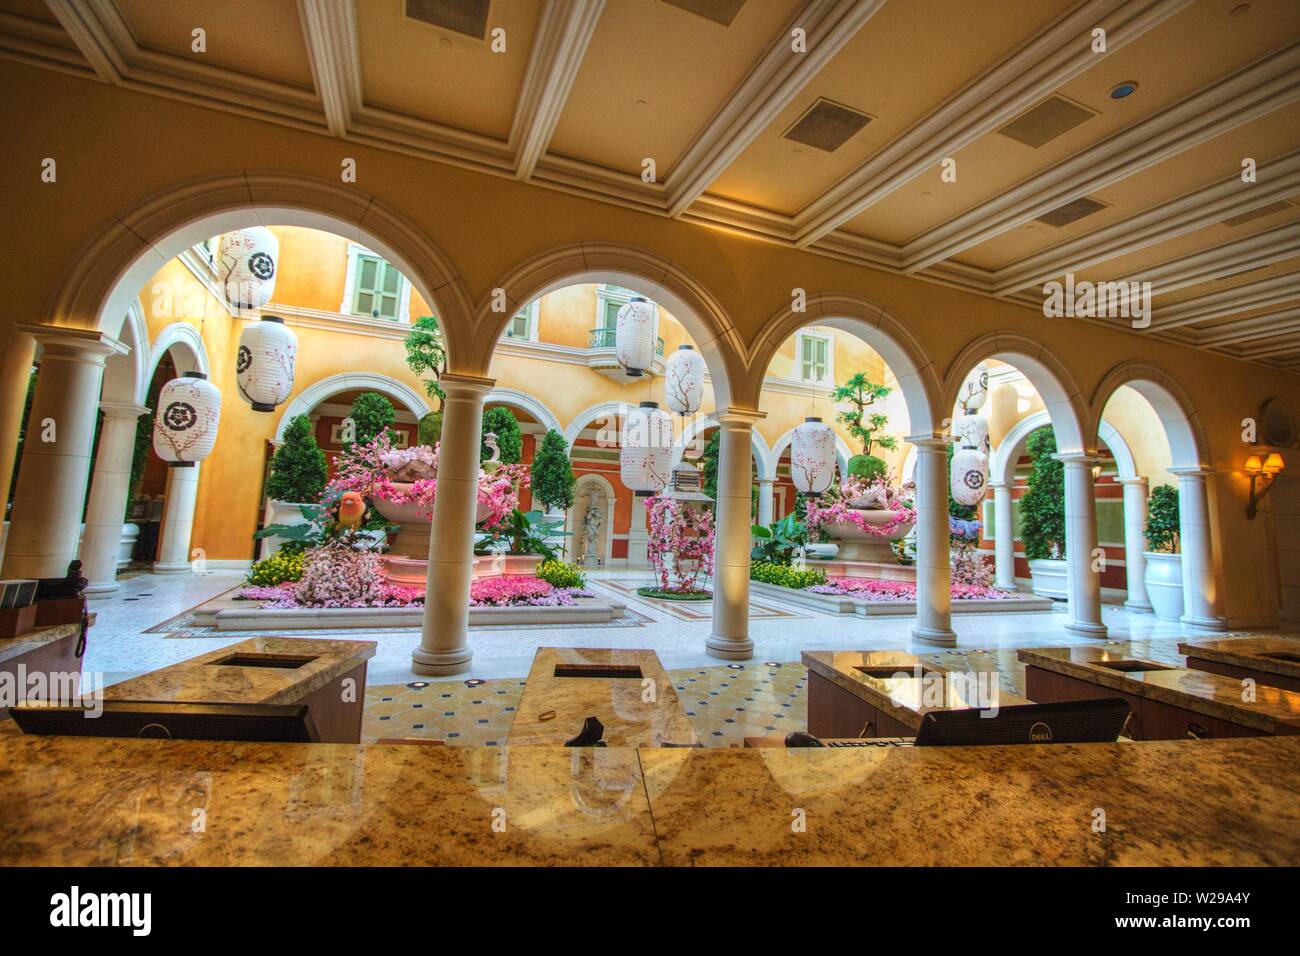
[1096, 471]
[1269, 467]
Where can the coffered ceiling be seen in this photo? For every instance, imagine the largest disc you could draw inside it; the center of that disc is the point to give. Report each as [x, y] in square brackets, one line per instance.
[839, 149]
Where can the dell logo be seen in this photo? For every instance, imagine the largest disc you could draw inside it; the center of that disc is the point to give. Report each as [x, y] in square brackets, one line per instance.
[1040, 733]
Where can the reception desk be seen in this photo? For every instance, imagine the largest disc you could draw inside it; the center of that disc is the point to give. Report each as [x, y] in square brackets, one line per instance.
[51, 651]
[1274, 661]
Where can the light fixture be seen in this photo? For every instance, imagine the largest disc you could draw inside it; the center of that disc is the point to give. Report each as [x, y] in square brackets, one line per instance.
[1269, 468]
[264, 363]
[634, 335]
[185, 428]
[1096, 471]
[246, 261]
[684, 381]
[646, 457]
[1121, 90]
[812, 457]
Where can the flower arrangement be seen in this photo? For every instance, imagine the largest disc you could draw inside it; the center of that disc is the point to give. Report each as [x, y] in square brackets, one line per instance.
[839, 511]
[877, 591]
[521, 591]
[338, 575]
[680, 544]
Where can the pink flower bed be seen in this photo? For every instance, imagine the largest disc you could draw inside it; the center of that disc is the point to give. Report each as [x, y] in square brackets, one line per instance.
[510, 591]
[519, 590]
[885, 592]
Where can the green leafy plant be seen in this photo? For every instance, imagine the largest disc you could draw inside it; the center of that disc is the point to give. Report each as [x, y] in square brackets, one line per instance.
[561, 574]
[778, 543]
[1042, 509]
[785, 576]
[371, 413]
[526, 532]
[140, 454]
[298, 469]
[712, 448]
[280, 567]
[860, 393]
[510, 440]
[22, 434]
[319, 529]
[430, 429]
[552, 472]
[1162, 520]
[427, 358]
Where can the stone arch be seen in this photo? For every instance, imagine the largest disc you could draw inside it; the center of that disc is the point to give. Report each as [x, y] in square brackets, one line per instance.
[317, 392]
[1002, 467]
[653, 276]
[572, 519]
[842, 452]
[525, 402]
[1187, 444]
[698, 425]
[183, 343]
[592, 414]
[126, 376]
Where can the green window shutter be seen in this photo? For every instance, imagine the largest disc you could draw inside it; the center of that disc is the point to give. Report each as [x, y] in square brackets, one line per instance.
[518, 327]
[813, 359]
[377, 286]
[611, 315]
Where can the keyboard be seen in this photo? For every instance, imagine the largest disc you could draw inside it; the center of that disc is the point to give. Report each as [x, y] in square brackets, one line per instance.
[872, 742]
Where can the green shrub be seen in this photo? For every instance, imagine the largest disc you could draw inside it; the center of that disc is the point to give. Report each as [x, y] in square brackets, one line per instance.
[712, 449]
[561, 575]
[298, 469]
[1162, 519]
[786, 577]
[1042, 509]
[510, 440]
[552, 472]
[866, 467]
[430, 429]
[371, 413]
[277, 569]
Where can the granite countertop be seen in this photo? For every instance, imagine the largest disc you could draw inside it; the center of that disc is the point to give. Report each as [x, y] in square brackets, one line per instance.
[1272, 711]
[94, 801]
[202, 679]
[1250, 652]
[906, 698]
[17, 646]
[630, 721]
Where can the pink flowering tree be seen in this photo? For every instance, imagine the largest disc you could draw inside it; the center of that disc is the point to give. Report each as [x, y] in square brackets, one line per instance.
[680, 544]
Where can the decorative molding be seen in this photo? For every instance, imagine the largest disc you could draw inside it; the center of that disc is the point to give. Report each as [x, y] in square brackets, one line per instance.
[1215, 305]
[329, 29]
[180, 334]
[319, 391]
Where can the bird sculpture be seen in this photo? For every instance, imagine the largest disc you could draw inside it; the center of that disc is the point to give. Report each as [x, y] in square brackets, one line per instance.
[352, 508]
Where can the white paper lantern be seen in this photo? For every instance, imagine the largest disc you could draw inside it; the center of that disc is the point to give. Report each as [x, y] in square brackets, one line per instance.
[185, 424]
[971, 431]
[646, 459]
[246, 262]
[264, 363]
[975, 390]
[812, 456]
[684, 381]
[634, 335]
[970, 473]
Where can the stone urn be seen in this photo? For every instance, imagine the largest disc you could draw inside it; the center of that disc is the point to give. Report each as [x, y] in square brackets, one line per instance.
[412, 538]
[856, 544]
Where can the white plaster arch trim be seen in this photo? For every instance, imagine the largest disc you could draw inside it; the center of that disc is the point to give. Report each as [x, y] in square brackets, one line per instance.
[653, 276]
[126, 377]
[317, 392]
[185, 345]
[1048, 374]
[1125, 463]
[763, 456]
[109, 271]
[1187, 445]
[571, 522]
[522, 400]
[842, 451]
[1003, 466]
[593, 414]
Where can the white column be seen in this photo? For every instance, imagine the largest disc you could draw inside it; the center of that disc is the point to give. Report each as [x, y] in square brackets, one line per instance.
[765, 495]
[933, 572]
[638, 535]
[178, 520]
[15, 371]
[1004, 541]
[46, 517]
[109, 489]
[444, 639]
[1200, 589]
[1135, 541]
[1083, 583]
[732, 538]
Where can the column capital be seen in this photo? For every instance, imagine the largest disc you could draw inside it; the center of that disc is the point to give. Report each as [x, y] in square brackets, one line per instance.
[929, 440]
[1077, 458]
[122, 409]
[1193, 471]
[765, 481]
[459, 385]
[89, 344]
[740, 418]
[998, 485]
[1134, 480]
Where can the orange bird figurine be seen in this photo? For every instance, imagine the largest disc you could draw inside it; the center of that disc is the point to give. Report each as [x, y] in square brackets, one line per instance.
[352, 508]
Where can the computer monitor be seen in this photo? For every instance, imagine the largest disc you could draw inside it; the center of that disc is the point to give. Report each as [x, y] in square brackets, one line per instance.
[278, 723]
[1066, 722]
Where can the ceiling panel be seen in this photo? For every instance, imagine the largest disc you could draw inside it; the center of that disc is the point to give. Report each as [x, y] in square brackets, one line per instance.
[1219, 285]
[31, 9]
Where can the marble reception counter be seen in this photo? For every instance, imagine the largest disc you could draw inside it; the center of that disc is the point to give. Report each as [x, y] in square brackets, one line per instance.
[78, 801]
[1268, 660]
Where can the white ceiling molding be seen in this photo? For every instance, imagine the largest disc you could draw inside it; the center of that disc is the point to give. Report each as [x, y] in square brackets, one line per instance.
[1252, 252]
[41, 44]
[1277, 180]
[1267, 351]
[768, 89]
[1247, 330]
[1216, 305]
[329, 28]
[565, 29]
[1055, 56]
[1255, 91]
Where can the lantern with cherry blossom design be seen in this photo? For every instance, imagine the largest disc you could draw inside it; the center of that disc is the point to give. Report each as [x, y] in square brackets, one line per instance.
[246, 263]
[634, 335]
[646, 457]
[684, 381]
[264, 363]
[185, 424]
[812, 457]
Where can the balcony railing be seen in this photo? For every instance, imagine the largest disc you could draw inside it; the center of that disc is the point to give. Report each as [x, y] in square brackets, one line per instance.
[604, 339]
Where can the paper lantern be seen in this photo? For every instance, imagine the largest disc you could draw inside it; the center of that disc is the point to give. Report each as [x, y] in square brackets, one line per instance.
[812, 456]
[634, 335]
[975, 390]
[185, 424]
[246, 262]
[264, 363]
[971, 431]
[970, 472]
[684, 381]
[646, 459]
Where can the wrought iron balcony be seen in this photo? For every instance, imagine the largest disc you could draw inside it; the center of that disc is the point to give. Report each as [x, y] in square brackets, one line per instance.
[604, 339]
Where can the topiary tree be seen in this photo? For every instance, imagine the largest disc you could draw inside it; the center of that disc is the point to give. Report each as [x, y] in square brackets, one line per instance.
[139, 454]
[1042, 509]
[510, 440]
[430, 429]
[860, 393]
[1162, 519]
[712, 448]
[371, 413]
[552, 473]
[426, 357]
[298, 469]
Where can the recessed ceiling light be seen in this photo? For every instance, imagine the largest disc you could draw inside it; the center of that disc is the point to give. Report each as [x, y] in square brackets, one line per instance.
[1124, 89]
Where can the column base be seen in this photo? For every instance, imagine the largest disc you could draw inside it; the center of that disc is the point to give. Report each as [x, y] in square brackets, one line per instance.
[1087, 628]
[441, 663]
[939, 637]
[101, 589]
[1208, 623]
[1139, 607]
[1006, 587]
[181, 568]
[728, 649]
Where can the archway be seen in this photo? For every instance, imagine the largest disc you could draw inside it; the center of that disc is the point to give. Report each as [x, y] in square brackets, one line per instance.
[590, 522]
[314, 395]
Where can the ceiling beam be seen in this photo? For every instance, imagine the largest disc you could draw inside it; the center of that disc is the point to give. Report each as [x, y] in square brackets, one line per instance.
[329, 28]
[1243, 255]
[1248, 94]
[1274, 348]
[1216, 305]
[1276, 180]
[1247, 330]
[563, 32]
[85, 30]
[768, 89]
[1055, 56]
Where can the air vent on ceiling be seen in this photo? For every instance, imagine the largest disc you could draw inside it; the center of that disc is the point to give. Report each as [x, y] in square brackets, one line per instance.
[1046, 121]
[1260, 213]
[719, 11]
[466, 17]
[1071, 212]
[826, 126]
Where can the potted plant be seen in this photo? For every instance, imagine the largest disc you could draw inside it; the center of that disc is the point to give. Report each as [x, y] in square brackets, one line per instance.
[1164, 563]
[552, 473]
[1042, 517]
[778, 543]
[860, 393]
[426, 357]
[522, 542]
[298, 476]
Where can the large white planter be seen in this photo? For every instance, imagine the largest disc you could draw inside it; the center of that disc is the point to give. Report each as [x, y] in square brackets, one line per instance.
[279, 512]
[1164, 581]
[855, 544]
[1050, 578]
